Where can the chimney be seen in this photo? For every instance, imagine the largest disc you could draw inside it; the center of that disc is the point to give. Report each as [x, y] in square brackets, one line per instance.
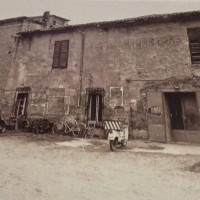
[45, 19]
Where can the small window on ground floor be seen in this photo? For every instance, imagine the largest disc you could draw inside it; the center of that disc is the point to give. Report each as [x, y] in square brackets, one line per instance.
[95, 104]
[21, 102]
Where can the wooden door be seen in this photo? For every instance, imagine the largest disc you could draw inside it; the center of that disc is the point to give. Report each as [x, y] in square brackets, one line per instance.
[156, 117]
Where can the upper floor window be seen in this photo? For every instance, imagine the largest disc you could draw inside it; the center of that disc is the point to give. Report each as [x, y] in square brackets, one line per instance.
[60, 56]
[194, 42]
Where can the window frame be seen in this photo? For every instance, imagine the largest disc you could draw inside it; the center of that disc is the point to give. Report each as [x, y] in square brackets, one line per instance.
[60, 54]
[25, 91]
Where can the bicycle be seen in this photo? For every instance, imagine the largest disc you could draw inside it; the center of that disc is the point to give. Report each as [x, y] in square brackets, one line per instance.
[69, 127]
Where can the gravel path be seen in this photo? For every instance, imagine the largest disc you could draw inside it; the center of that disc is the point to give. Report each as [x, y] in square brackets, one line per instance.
[43, 168]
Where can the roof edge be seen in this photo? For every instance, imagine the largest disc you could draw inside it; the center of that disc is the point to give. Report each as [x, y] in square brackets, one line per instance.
[12, 20]
[18, 19]
[143, 20]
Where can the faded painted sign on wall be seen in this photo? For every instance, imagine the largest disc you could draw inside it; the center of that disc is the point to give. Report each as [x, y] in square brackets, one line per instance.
[116, 96]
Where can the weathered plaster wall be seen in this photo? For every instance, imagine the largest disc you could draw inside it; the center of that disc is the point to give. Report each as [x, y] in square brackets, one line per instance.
[7, 43]
[130, 57]
[121, 60]
[33, 67]
[8, 51]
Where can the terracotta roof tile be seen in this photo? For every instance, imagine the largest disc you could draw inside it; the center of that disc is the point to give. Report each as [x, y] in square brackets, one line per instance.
[149, 19]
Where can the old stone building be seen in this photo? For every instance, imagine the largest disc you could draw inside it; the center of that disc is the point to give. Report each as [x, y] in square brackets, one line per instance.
[9, 38]
[145, 68]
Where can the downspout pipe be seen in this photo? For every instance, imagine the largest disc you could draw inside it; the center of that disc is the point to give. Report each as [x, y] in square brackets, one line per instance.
[81, 65]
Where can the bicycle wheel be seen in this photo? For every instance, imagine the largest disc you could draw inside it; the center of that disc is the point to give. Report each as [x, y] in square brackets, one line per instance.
[83, 130]
[68, 129]
[72, 129]
[58, 129]
[76, 130]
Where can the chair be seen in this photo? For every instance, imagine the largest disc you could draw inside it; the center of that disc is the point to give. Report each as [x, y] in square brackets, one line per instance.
[91, 129]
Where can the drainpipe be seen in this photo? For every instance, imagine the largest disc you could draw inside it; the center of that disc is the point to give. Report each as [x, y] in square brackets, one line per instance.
[81, 65]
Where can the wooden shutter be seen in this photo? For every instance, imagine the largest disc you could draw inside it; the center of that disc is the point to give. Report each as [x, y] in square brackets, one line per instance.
[194, 41]
[64, 53]
[56, 55]
[60, 57]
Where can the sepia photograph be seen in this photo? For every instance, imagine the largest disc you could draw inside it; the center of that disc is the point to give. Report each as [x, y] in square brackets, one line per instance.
[100, 100]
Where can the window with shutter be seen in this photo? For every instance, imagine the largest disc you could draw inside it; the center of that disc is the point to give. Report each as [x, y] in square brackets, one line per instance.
[60, 56]
[194, 42]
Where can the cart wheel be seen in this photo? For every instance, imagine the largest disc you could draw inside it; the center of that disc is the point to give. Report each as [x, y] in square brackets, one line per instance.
[113, 144]
[58, 129]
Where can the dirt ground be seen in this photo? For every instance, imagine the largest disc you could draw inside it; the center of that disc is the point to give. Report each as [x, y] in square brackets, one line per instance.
[59, 168]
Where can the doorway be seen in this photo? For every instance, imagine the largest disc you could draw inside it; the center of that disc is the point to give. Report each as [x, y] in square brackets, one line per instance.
[175, 109]
[183, 116]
